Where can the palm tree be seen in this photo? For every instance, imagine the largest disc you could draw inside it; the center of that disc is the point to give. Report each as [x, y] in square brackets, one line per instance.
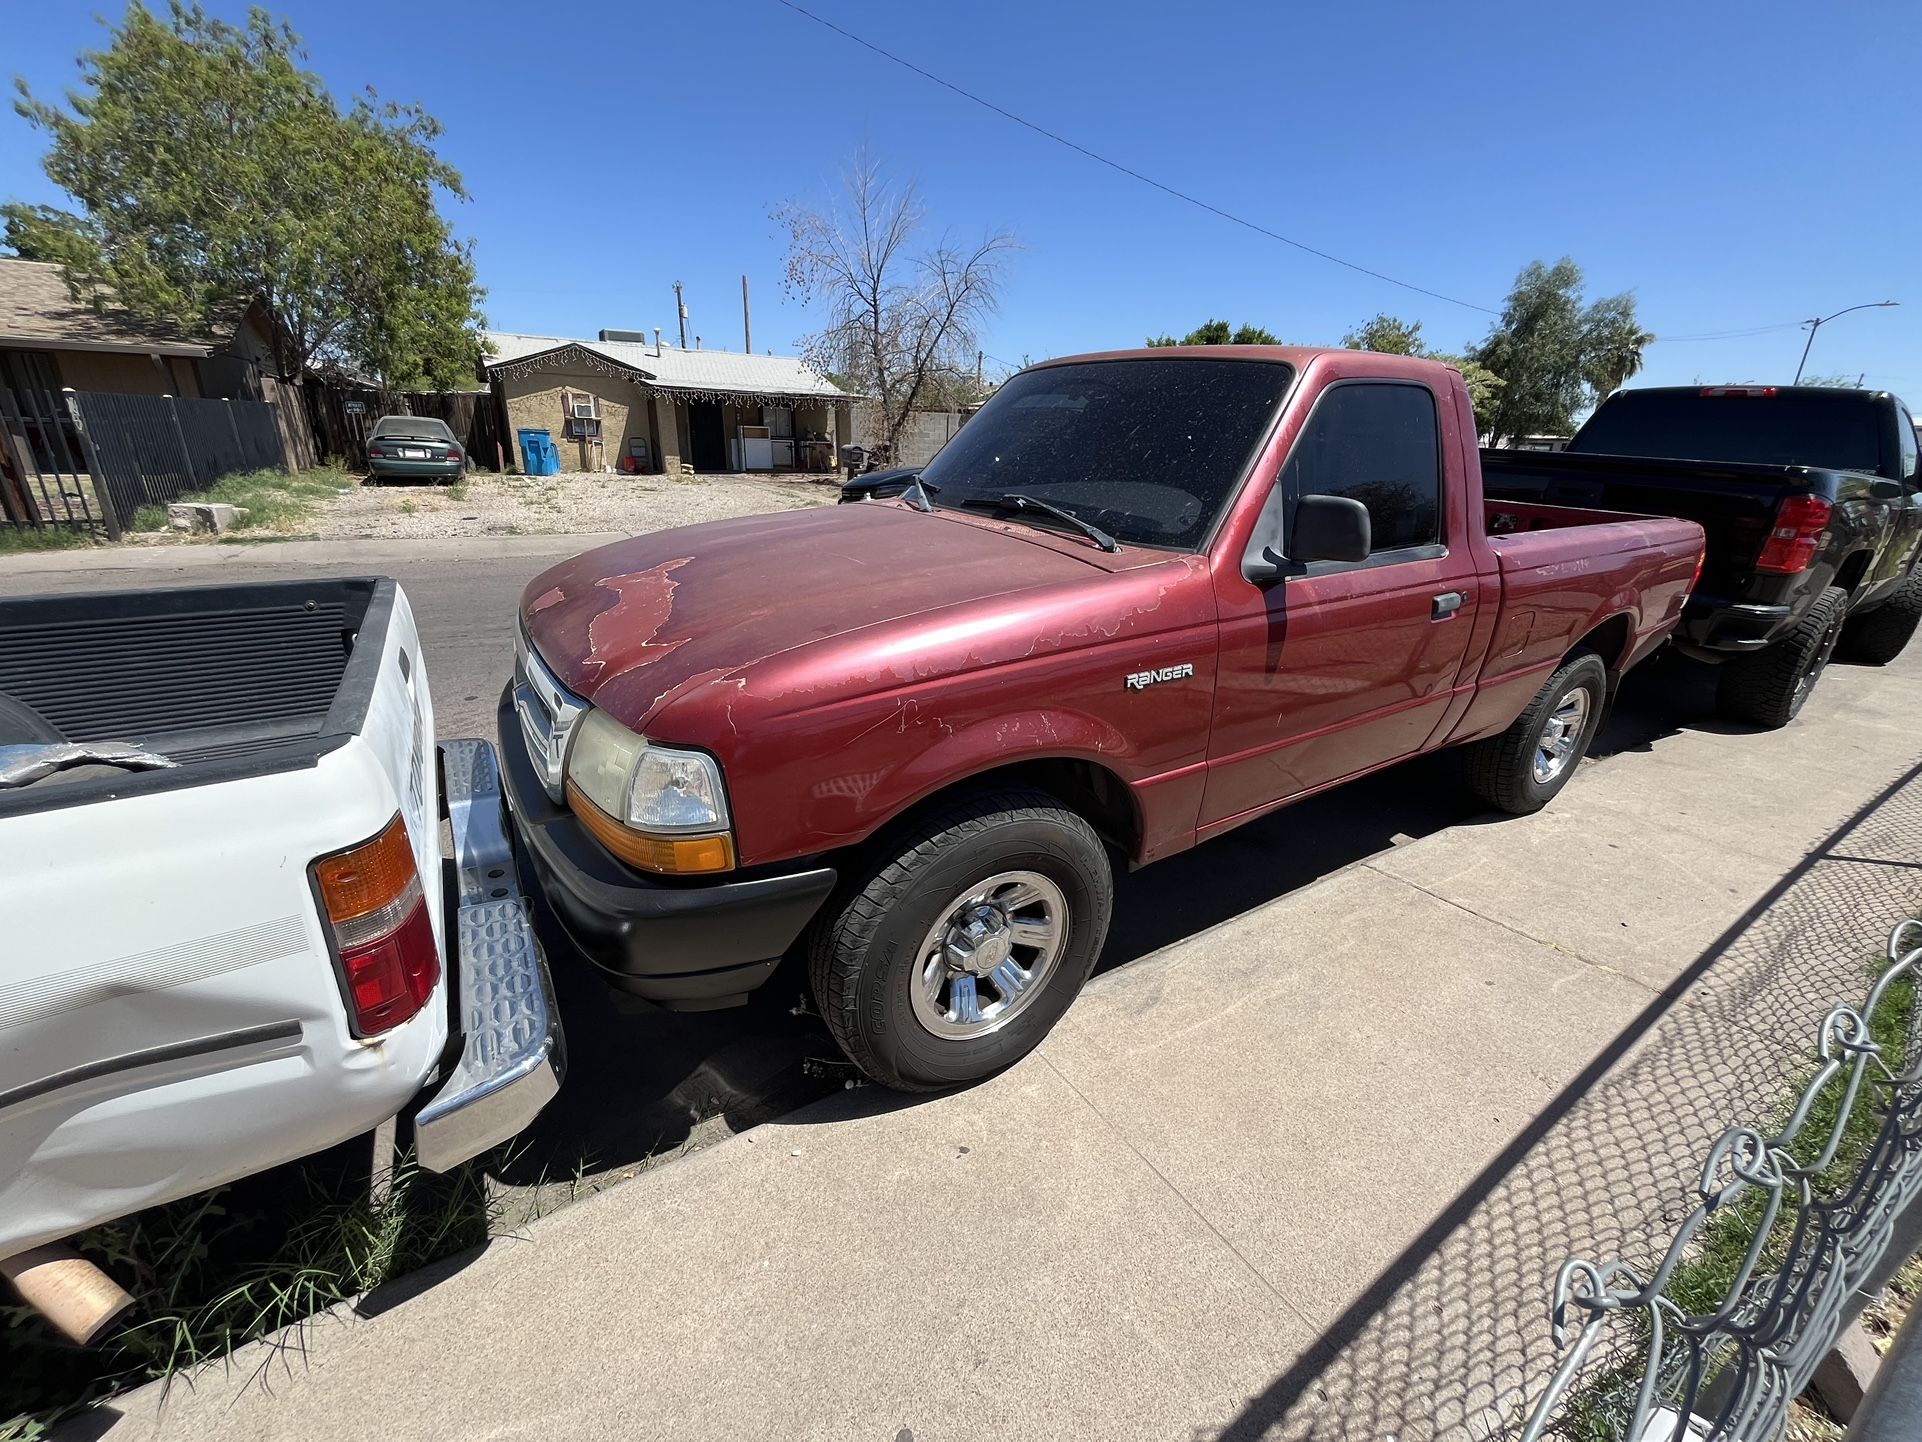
[1615, 343]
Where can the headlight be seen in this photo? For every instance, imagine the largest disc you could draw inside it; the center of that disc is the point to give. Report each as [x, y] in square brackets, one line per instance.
[656, 807]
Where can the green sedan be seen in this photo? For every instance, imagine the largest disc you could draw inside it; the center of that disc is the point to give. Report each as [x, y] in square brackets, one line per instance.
[414, 448]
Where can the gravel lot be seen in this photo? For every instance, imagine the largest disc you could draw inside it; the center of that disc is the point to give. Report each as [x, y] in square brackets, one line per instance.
[572, 503]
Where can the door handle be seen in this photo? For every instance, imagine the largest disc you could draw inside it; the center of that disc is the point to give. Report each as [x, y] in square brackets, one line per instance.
[1446, 605]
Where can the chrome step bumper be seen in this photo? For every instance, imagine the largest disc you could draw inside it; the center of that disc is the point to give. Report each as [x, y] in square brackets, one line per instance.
[512, 1056]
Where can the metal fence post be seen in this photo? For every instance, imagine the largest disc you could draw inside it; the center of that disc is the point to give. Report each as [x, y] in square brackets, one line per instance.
[102, 492]
[240, 451]
[180, 436]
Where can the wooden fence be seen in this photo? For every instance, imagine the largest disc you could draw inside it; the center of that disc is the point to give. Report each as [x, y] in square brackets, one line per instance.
[342, 416]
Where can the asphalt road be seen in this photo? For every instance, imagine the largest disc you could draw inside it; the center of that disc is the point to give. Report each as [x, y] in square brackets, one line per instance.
[644, 1083]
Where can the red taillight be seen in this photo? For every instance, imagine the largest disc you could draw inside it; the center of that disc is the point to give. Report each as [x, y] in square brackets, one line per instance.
[378, 912]
[1701, 560]
[1738, 390]
[376, 453]
[1792, 539]
[453, 453]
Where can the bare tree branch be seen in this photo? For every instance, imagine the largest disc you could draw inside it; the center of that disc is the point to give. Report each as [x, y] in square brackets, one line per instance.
[895, 320]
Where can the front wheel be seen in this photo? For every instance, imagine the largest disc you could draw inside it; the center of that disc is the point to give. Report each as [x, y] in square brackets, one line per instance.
[964, 941]
[1520, 770]
[1770, 687]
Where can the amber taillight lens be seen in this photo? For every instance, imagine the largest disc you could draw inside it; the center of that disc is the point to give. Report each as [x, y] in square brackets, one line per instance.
[377, 911]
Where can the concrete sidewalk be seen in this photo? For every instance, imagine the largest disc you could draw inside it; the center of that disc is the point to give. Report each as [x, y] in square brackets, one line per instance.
[1306, 1173]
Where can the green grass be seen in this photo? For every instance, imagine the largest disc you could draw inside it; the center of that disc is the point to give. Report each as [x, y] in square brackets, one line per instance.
[215, 1271]
[15, 539]
[275, 500]
[1598, 1410]
[149, 518]
[457, 491]
[407, 508]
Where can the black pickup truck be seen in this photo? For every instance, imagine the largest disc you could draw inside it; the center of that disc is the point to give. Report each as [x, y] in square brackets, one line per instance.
[1810, 500]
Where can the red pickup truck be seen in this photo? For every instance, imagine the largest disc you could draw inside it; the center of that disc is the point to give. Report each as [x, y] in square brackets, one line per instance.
[1140, 599]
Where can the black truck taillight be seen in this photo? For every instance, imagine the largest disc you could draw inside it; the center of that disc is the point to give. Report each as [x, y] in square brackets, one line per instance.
[378, 912]
[1792, 538]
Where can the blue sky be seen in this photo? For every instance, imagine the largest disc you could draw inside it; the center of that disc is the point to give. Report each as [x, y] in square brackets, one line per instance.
[1735, 166]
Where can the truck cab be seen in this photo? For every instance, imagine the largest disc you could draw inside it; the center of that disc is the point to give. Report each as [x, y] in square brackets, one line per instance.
[1139, 600]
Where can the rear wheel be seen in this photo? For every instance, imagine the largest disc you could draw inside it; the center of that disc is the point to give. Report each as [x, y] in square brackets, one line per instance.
[1877, 638]
[1770, 687]
[964, 941]
[1520, 770]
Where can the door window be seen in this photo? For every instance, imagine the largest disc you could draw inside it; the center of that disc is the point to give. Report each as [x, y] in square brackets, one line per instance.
[1375, 443]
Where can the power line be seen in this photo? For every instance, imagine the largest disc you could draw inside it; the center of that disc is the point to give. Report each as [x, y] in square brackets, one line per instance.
[1735, 334]
[1181, 195]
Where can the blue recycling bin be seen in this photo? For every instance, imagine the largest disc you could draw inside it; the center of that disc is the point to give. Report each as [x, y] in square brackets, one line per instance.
[539, 455]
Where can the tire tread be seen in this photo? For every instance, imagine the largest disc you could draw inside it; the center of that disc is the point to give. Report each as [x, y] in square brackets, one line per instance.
[837, 947]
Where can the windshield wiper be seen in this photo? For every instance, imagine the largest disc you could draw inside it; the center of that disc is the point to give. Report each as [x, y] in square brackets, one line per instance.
[1021, 502]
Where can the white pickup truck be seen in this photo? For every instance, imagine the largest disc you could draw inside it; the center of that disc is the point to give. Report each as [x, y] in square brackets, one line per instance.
[228, 934]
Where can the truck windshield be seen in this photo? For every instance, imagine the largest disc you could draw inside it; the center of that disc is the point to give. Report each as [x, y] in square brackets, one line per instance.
[1148, 450]
[1835, 432]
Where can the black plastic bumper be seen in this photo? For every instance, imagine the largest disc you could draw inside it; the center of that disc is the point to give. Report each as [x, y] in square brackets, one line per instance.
[688, 945]
[1732, 627]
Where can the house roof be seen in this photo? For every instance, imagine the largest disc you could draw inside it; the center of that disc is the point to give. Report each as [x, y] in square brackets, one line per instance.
[36, 310]
[697, 374]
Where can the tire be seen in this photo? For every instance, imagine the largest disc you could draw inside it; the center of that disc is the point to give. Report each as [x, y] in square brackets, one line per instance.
[1521, 770]
[1877, 638]
[1769, 687]
[926, 882]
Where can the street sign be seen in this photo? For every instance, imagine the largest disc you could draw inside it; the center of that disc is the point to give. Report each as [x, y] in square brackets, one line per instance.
[354, 408]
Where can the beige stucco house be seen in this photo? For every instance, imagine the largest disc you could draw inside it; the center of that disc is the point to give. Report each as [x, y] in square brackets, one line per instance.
[625, 403]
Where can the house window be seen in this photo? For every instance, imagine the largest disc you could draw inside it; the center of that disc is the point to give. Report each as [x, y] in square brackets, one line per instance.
[582, 410]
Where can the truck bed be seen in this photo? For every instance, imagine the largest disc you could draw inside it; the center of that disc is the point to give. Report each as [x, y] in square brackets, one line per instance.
[1734, 504]
[228, 679]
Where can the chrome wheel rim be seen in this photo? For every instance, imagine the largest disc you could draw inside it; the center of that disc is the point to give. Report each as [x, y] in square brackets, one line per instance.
[989, 955]
[1561, 736]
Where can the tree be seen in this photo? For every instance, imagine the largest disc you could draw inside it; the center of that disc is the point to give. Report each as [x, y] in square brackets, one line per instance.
[1550, 352]
[1386, 335]
[1614, 341]
[212, 171]
[899, 320]
[1217, 332]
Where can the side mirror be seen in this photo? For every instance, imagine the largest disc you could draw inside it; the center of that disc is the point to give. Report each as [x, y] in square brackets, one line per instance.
[1330, 528]
[1885, 490]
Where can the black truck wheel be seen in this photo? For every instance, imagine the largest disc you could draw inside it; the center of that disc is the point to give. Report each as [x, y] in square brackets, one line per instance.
[964, 940]
[1520, 770]
[1770, 687]
[1877, 638]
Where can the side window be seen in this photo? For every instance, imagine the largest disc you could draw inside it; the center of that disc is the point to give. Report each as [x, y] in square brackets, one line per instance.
[1905, 428]
[1376, 443]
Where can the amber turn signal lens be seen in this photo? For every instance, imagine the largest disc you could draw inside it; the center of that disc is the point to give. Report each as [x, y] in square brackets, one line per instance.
[667, 855]
[367, 877]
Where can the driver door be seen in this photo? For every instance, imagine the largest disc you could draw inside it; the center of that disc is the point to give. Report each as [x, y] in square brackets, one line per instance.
[1338, 667]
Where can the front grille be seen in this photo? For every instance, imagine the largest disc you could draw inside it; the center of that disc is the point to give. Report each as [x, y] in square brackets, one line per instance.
[548, 712]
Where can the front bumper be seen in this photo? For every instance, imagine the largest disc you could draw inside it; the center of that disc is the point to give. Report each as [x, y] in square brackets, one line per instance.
[688, 945]
[512, 1054]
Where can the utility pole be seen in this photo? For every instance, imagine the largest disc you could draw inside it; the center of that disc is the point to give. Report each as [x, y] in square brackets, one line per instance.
[1818, 322]
[747, 326]
[977, 368]
[680, 313]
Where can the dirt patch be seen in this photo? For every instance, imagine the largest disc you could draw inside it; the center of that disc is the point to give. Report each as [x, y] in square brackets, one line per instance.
[568, 504]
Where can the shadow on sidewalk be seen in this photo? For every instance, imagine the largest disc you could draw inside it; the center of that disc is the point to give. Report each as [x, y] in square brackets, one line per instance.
[1452, 1339]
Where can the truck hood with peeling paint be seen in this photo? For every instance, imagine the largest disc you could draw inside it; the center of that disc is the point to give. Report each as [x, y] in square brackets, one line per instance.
[633, 625]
